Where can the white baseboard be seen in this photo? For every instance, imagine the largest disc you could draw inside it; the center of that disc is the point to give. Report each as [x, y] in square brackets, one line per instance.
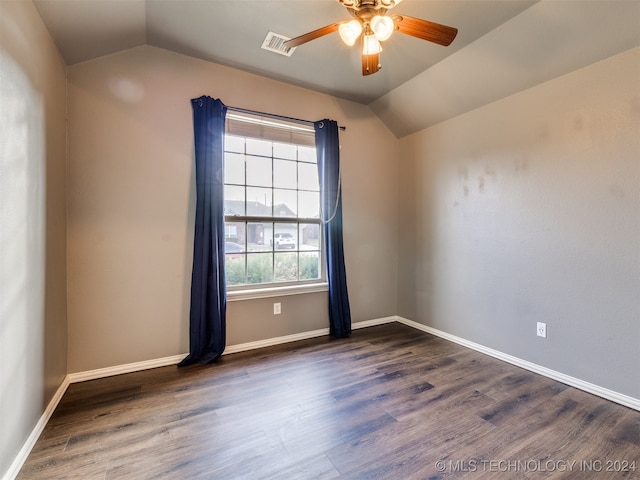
[18, 462]
[241, 347]
[268, 342]
[374, 322]
[605, 393]
[612, 395]
[28, 445]
[126, 368]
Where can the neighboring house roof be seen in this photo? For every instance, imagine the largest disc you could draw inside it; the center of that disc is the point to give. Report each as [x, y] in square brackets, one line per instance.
[236, 207]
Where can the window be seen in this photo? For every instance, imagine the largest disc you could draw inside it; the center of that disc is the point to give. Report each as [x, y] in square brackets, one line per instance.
[273, 234]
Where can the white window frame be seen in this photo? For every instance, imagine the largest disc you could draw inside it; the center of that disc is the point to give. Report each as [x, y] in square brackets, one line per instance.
[266, 128]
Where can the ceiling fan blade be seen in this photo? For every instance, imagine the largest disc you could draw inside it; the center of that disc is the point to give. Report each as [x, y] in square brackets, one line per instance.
[433, 32]
[307, 37]
[370, 64]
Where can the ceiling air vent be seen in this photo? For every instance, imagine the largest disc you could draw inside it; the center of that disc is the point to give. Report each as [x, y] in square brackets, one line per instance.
[274, 42]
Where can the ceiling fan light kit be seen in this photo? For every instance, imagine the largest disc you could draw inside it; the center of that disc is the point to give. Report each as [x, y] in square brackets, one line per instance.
[382, 27]
[370, 45]
[371, 23]
[350, 31]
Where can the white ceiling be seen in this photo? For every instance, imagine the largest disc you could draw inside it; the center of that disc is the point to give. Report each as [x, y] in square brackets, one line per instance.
[503, 46]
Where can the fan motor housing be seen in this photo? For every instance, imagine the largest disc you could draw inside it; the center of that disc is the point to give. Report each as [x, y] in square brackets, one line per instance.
[360, 5]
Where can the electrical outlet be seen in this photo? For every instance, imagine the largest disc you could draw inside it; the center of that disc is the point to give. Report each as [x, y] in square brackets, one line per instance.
[542, 329]
[277, 309]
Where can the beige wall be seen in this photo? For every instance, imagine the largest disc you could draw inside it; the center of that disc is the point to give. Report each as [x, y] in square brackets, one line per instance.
[528, 210]
[33, 331]
[131, 206]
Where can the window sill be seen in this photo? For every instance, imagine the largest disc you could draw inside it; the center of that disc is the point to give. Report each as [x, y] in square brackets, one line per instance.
[236, 295]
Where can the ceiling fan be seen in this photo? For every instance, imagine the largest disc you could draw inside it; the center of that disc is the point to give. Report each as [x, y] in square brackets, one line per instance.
[372, 25]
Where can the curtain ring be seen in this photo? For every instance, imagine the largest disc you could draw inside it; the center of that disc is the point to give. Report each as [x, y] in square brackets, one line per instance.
[201, 102]
[321, 125]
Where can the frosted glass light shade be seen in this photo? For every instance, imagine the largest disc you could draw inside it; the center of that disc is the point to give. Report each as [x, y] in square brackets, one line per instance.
[382, 27]
[371, 45]
[350, 31]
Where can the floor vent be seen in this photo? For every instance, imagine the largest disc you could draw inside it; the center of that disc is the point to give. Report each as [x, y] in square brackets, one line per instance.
[274, 42]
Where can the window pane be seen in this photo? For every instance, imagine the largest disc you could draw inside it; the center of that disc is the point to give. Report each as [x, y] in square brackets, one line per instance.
[259, 202]
[259, 267]
[285, 203]
[234, 168]
[235, 268]
[308, 177]
[234, 253]
[233, 144]
[307, 154]
[309, 205]
[285, 150]
[259, 171]
[275, 180]
[233, 200]
[310, 265]
[259, 236]
[285, 174]
[309, 236]
[286, 236]
[285, 267]
[234, 237]
[258, 147]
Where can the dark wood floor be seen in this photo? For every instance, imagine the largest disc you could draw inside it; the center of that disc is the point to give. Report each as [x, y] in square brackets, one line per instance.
[391, 402]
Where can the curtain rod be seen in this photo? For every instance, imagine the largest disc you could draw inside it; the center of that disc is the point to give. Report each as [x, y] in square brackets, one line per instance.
[277, 117]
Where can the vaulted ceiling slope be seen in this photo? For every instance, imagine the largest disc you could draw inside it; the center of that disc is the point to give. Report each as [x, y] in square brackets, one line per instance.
[503, 46]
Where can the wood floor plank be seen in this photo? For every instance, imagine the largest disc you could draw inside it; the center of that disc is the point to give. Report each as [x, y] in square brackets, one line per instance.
[389, 402]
